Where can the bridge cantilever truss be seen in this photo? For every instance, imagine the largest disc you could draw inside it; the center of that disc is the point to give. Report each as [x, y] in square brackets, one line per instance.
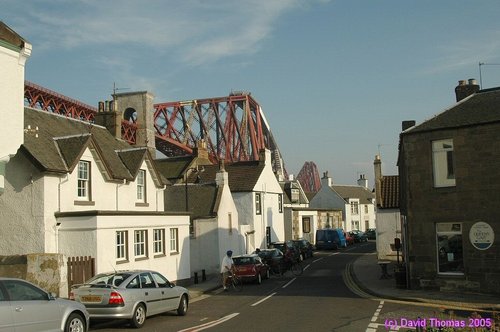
[233, 127]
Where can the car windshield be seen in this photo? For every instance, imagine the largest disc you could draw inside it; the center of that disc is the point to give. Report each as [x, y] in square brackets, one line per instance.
[269, 253]
[108, 279]
[243, 260]
[280, 246]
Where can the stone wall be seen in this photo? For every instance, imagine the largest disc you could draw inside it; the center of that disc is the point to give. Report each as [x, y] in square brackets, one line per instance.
[473, 198]
[45, 270]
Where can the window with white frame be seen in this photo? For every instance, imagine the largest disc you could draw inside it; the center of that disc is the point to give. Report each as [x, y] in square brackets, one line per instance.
[442, 163]
[449, 248]
[140, 243]
[354, 208]
[83, 180]
[121, 245]
[280, 203]
[258, 205]
[174, 240]
[230, 222]
[366, 208]
[159, 241]
[306, 224]
[141, 186]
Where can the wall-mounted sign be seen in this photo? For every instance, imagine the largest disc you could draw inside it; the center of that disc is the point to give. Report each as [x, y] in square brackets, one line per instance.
[481, 235]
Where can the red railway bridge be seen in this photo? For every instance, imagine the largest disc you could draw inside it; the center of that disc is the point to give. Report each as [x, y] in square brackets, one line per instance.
[234, 127]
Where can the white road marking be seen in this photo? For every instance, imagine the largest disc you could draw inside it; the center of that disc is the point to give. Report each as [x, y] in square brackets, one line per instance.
[335, 253]
[307, 267]
[317, 260]
[288, 283]
[266, 298]
[210, 324]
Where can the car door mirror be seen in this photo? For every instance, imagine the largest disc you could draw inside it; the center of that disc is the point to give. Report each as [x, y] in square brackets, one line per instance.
[52, 296]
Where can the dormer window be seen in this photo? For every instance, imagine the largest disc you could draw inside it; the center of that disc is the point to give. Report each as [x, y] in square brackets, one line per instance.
[83, 190]
[141, 186]
[294, 197]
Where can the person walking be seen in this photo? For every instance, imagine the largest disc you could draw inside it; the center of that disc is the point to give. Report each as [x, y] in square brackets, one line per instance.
[227, 267]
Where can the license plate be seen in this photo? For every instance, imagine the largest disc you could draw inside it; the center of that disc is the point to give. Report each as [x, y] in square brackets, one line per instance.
[91, 298]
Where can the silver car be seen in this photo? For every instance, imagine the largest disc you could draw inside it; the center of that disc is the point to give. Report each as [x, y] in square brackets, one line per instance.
[131, 295]
[28, 308]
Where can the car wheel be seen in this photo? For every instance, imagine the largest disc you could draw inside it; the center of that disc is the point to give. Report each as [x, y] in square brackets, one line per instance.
[183, 306]
[259, 279]
[139, 317]
[75, 323]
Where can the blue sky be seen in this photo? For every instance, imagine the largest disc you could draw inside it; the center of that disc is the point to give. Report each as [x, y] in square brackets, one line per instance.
[334, 78]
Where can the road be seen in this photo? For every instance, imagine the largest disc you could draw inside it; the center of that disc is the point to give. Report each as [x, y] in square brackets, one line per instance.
[323, 298]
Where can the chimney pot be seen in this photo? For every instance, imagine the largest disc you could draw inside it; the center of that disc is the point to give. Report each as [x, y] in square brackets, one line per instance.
[464, 90]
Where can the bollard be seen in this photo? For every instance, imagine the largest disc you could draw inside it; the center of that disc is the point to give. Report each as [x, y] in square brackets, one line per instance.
[203, 276]
[196, 277]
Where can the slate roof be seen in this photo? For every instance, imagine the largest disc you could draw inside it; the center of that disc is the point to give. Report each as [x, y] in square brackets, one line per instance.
[389, 192]
[480, 108]
[286, 186]
[173, 168]
[242, 176]
[203, 200]
[310, 195]
[364, 195]
[61, 141]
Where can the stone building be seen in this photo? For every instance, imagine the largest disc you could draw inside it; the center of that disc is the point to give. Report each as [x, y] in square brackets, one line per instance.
[450, 188]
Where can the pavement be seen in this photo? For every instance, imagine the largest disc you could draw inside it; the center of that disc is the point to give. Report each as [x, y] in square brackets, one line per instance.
[366, 274]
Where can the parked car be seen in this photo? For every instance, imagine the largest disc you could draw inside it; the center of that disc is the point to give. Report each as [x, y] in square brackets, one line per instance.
[305, 248]
[251, 267]
[371, 234]
[131, 295]
[287, 248]
[26, 307]
[272, 257]
[348, 238]
[359, 236]
[330, 238]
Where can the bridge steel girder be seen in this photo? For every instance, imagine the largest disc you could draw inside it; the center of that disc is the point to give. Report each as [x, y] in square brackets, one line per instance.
[309, 177]
[233, 127]
[42, 98]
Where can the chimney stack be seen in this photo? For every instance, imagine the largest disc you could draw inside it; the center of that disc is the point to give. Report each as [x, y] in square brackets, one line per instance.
[362, 181]
[407, 124]
[377, 166]
[464, 89]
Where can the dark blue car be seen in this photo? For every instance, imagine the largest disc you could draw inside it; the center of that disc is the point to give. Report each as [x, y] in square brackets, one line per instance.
[330, 238]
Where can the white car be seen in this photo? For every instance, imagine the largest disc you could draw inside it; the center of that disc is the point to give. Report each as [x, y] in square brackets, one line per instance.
[131, 295]
[28, 308]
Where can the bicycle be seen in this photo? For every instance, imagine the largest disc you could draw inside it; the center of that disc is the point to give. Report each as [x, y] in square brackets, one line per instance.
[234, 282]
[294, 266]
